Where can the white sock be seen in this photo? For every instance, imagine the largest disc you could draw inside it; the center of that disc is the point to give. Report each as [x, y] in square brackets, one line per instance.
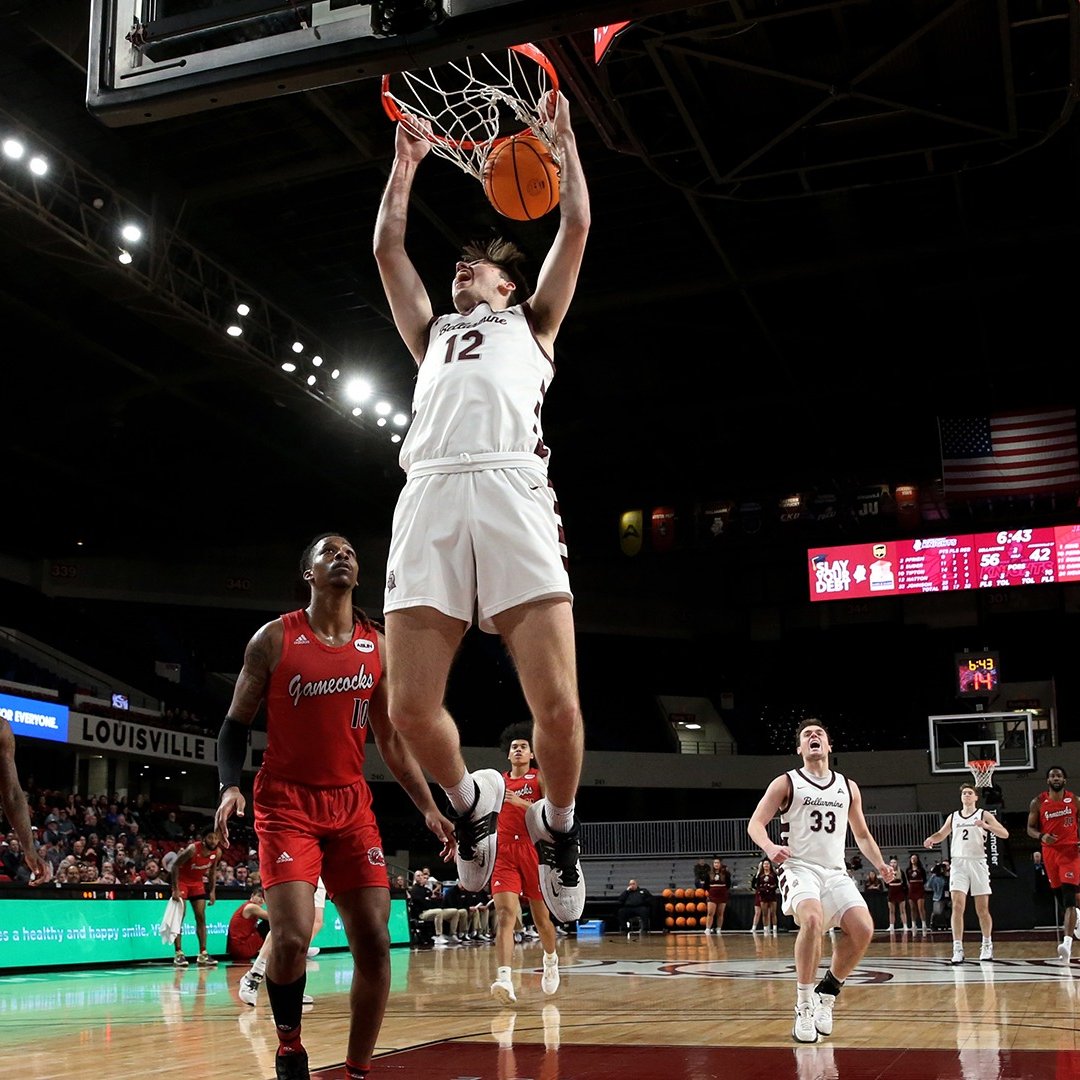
[502, 974]
[551, 956]
[987, 941]
[1067, 940]
[957, 943]
[806, 993]
[462, 794]
[259, 967]
[559, 818]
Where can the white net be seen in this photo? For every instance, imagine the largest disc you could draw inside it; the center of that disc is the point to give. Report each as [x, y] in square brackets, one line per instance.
[983, 771]
[474, 103]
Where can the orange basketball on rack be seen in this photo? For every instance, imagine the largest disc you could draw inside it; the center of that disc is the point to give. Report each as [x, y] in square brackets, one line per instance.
[680, 921]
[667, 894]
[680, 906]
[703, 908]
[669, 907]
[669, 921]
[700, 894]
[691, 921]
[520, 178]
[680, 893]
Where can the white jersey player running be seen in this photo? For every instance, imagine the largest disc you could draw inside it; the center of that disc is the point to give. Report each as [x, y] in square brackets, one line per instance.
[817, 807]
[969, 871]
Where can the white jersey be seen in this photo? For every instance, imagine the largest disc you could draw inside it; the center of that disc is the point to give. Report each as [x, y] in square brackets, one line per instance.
[814, 822]
[968, 841]
[479, 391]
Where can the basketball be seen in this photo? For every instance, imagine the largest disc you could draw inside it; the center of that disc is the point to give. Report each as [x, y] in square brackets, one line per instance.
[667, 893]
[703, 908]
[680, 921]
[680, 893]
[669, 921]
[669, 907]
[520, 179]
[700, 894]
[691, 921]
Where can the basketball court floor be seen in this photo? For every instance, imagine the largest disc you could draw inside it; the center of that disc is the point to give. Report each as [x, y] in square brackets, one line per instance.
[657, 1006]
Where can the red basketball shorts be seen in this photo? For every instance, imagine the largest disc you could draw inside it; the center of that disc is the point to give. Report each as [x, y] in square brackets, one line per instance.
[307, 832]
[517, 869]
[1062, 862]
[191, 890]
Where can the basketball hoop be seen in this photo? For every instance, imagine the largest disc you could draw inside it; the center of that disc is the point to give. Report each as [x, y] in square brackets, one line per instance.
[476, 103]
[983, 770]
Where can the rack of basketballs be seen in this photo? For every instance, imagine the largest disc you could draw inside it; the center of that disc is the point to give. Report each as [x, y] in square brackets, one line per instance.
[684, 909]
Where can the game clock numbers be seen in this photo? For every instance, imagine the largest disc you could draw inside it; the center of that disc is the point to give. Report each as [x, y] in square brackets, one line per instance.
[977, 673]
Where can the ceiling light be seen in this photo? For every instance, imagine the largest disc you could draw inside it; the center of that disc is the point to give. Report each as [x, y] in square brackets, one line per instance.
[693, 727]
[335, 373]
[358, 389]
[357, 411]
[39, 166]
[400, 419]
[234, 330]
[131, 233]
[316, 361]
[14, 149]
[311, 380]
[383, 408]
[124, 257]
[297, 346]
[288, 366]
[242, 310]
[381, 421]
[395, 437]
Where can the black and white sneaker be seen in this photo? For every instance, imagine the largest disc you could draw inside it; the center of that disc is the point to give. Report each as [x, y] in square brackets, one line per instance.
[292, 1066]
[561, 880]
[477, 831]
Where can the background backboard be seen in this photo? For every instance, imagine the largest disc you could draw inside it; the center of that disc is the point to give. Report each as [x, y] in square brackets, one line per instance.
[1007, 737]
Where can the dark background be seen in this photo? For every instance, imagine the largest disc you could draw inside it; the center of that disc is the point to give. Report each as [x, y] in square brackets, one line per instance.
[816, 228]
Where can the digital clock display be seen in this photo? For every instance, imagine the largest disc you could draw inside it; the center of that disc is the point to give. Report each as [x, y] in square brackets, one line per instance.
[1011, 557]
[977, 673]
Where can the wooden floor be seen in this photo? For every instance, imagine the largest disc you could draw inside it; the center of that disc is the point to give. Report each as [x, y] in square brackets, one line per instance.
[657, 1006]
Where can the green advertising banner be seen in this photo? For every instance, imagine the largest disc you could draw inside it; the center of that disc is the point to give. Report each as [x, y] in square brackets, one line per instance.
[38, 932]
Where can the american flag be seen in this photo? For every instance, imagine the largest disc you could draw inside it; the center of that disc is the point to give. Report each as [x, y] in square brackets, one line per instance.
[1015, 453]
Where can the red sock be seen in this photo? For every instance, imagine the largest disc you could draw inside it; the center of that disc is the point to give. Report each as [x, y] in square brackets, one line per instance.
[289, 1041]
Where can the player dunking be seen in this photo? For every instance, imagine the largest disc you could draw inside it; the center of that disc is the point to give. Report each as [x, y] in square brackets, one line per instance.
[816, 807]
[194, 877]
[320, 672]
[517, 868]
[477, 525]
[969, 872]
[1052, 821]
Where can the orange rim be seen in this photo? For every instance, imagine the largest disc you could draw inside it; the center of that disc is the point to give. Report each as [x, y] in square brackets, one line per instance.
[392, 110]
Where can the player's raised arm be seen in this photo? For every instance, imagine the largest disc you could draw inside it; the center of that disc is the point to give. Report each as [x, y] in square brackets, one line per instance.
[558, 276]
[409, 301]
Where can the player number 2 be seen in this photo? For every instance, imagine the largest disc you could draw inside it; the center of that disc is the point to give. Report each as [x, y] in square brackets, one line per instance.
[819, 821]
[469, 350]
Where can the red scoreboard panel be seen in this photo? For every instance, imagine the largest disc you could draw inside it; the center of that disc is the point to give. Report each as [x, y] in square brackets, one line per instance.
[946, 563]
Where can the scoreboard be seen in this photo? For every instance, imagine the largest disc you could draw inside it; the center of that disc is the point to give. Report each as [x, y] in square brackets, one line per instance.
[993, 560]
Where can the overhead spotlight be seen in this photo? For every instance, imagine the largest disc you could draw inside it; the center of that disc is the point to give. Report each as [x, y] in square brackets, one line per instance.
[395, 437]
[311, 380]
[381, 421]
[316, 361]
[357, 411]
[13, 149]
[97, 202]
[288, 366]
[124, 257]
[242, 310]
[234, 330]
[693, 727]
[131, 233]
[400, 419]
[358, 389]
[335, 373]
[297, 346]
[383, 408]
[39, 166]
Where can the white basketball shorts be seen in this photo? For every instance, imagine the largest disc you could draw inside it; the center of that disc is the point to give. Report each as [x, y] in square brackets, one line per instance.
[971, 876]
[836, 891]
[476, 542]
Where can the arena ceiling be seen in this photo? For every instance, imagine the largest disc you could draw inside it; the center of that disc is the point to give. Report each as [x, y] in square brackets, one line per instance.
[816, 227]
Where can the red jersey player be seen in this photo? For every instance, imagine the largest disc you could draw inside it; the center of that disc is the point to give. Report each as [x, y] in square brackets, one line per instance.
[1052, 821]
[320, 673]
[517, 867]
[194, 866]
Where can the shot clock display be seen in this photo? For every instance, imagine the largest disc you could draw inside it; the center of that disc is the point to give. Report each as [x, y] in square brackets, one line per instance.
[994, 560]
[977, 673]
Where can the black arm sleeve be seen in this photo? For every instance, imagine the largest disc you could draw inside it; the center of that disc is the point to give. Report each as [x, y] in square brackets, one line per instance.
[231, 750]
